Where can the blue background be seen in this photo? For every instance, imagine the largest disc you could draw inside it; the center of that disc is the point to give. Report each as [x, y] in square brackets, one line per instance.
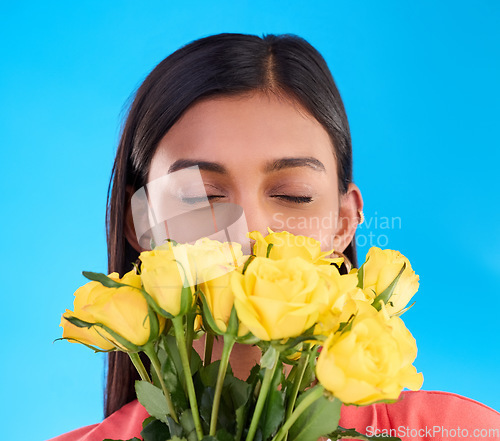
[420, 84]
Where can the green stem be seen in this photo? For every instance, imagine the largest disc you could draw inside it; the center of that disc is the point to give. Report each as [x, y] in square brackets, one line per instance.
[224, 361]
[137, 362]
[299, 375]
[209, 344]
[181, 344]
[259, 406]
[150, 352]
[316, 393]
[190, 333]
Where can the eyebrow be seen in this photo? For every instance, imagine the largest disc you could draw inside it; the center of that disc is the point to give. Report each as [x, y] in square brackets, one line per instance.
[270, 166]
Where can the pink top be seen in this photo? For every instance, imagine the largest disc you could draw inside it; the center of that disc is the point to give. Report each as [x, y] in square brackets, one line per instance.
[421, 415]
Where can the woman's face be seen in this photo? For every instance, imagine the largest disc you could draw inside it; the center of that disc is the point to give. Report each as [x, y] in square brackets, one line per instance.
[269, 156]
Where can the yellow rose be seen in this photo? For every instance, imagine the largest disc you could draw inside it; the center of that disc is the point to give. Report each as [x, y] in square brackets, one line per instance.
[168, 268]
[287, 245]
[371, 361]
[278, 299]
[206, 258]
[381, 268]
[220, 299]
[161, 277]
[342, 291]
[124, 310]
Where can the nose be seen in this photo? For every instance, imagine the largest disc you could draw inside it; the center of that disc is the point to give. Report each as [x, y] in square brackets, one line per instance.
[259, 216]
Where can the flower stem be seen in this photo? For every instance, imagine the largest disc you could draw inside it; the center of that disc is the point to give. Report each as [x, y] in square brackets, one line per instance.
[314, 395]
[224, 361]
[299, 375]
[259, 406]
[150, 352]
[190, 318]
[137, 362]
[181, 344]
[209, 344]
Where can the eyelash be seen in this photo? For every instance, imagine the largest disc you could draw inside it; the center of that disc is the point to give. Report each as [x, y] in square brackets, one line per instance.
[294, 199]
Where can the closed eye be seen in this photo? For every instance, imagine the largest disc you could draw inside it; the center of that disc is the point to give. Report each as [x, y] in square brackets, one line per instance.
[288, 198]
[295, 199]
[198, 199]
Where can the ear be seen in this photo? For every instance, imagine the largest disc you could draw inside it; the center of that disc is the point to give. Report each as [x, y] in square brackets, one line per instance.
[351, 203]
[129, 229]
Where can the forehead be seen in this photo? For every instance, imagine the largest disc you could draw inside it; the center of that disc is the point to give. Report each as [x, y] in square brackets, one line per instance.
[247, 130]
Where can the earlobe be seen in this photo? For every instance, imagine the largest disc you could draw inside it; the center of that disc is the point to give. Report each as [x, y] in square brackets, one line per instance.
[128, 226]
[351, 204]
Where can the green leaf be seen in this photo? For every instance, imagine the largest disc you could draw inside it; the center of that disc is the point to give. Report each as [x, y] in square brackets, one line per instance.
[208, 374]
[208, 319]
[154, 325]
[195, 362]
[152, 399]
[117, 337]
[94, 348]
[386, 294]
[176, 430]
[361, 275]
[248, 339]
[269, 358]
[320, 418]
[154, 430]
[404, 310]
[172, 375]
[268, 250]
[186, 293]
[274, 409]
[154, 306]
[79, 322]
[342, 433]
[131, 439]
[223, 435]
[309, 374]
[241, 413]
[254, 374]
[103, 279]
[236, 391]
[186, 300]
[233, 323]
[187, 424]
[249, 260]
[205, 404]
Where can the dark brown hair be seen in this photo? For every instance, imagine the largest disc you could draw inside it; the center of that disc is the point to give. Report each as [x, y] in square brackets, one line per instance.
[224, 64]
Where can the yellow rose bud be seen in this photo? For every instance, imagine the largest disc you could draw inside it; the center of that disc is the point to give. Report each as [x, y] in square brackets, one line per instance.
[124, 310]
[379, 271]
[88, 336]
[278, 299]
[210, 259]
[287, 245]
[220, 299]
[163, 279]
[372, 361]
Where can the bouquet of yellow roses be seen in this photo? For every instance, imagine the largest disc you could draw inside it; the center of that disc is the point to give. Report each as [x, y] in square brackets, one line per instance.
[340, 335]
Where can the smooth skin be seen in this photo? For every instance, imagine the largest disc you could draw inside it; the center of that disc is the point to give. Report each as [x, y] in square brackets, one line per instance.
[267, 154]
